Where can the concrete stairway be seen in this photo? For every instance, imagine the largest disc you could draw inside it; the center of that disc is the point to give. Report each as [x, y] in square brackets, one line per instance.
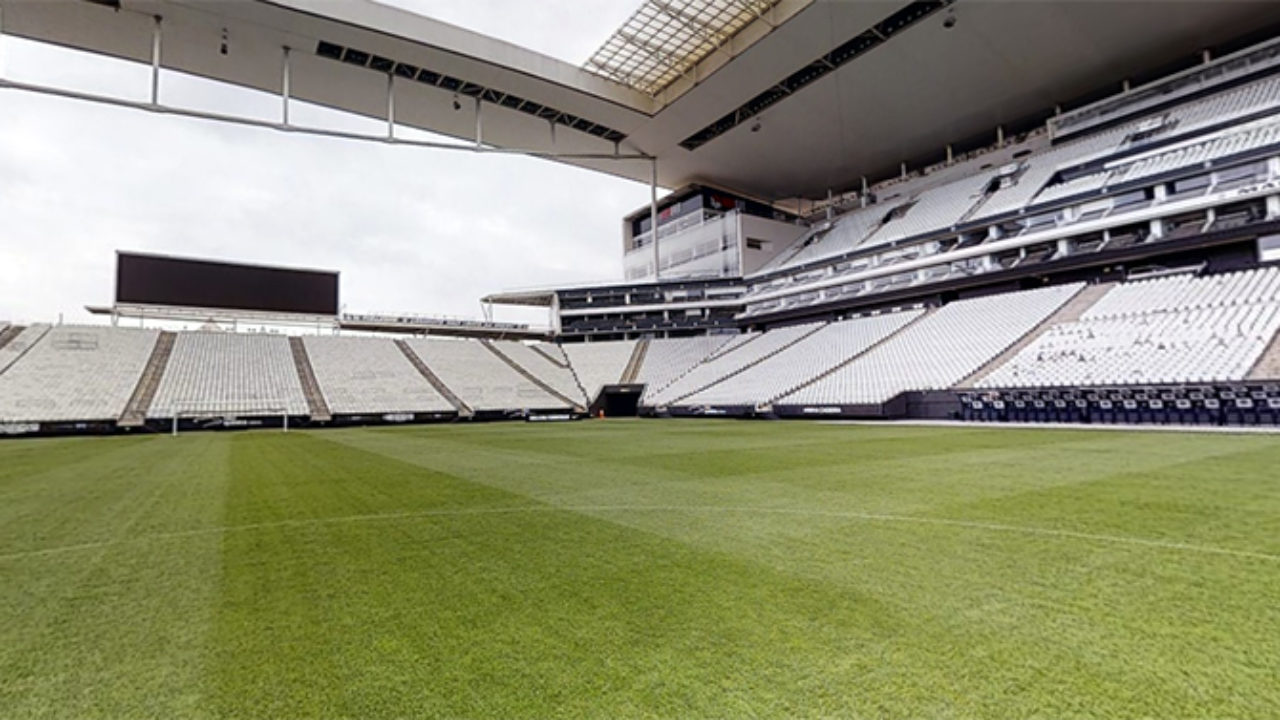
[1069, 312]
[552, 358]
[310, 385]
[575, 404]
[135, 411]
[18, 345]
[1268, 365]
[563, 362]
[9, 333]
[632, 370]
[464, 410]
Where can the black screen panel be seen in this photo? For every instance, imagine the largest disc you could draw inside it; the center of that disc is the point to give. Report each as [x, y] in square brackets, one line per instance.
[157, 280]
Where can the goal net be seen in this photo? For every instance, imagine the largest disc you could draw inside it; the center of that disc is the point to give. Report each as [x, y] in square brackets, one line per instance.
[230, 413]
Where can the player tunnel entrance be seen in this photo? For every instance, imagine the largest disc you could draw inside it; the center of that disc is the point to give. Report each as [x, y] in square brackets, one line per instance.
[618, 401]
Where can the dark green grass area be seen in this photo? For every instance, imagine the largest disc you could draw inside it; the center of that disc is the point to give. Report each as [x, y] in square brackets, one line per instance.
[642, 569]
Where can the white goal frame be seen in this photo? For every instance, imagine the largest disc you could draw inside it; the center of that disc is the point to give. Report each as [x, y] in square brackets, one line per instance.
[229, 409]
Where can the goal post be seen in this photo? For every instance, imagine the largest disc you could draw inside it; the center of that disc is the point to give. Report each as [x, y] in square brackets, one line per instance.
[230, 411]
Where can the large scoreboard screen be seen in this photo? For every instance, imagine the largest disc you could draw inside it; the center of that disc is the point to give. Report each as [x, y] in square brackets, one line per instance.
[183, 282]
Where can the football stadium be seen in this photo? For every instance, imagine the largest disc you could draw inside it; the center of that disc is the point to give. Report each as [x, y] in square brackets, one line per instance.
[940, 379]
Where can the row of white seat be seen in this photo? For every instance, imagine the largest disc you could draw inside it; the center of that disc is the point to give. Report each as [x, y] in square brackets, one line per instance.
[858, 361]
[72, 373]
[226, 372]
[1186, 291]
[944, 205]
[1179, 329]
[729, 362]
[1173, 329]
[938, 350]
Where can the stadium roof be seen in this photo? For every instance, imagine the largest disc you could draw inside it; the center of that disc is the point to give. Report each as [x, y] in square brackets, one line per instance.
[665, 39]
[802, 97]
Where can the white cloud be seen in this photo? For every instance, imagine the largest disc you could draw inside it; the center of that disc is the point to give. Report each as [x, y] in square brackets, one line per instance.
[410, 229]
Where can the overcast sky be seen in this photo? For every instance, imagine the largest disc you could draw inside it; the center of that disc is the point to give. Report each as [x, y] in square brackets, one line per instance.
[410, 229]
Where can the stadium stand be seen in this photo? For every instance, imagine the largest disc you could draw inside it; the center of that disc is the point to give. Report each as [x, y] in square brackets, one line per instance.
[632, 372]
[1163, 166]
[840, 237]
[19, 343]
[1179, 329]
[667, 359]
[434, 380]
[729, 362]
[937, 351]
[931, 210]
[135, 412]
[482, 379]
[319, 409]
[245, 373]
[554, 378]
[75, 373]
[811, 357]
[360, 375]
[1069, 312]
[1228, 126]
[599, 363]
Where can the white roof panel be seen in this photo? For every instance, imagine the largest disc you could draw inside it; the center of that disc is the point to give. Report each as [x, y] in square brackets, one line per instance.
[664, 39]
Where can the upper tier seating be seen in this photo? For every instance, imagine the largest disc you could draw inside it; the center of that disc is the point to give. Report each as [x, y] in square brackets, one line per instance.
[727, 362]
[1179, 329]
[599, 363]
[370, 375]
[667, 359]
[1219, 145]
[1200, 114]
[846, 233]
[942, 206]
[934, 209]
[76, 373]
[807, 359]
[480, 378]
[213, 372]
[937, 351]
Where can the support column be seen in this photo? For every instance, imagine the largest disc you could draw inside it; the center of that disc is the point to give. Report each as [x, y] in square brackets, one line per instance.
[479, 124]
[155, 62]
[284, 87]
[653, 216]
[391, 106]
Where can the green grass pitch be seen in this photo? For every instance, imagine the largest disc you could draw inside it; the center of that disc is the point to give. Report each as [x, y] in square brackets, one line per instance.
[641, 569]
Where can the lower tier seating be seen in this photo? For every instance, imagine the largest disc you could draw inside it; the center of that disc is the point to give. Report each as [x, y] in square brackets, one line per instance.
[480, 378]
[668, 359]
[937, 351]
[370, 375]
[75, 373]
[1180, 329]
[599, 363]
[802, 362]
[728, 362]
[224, 372]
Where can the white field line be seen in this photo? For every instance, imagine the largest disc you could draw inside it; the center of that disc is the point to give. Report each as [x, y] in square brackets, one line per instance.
[979, 425]
[835, 514]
